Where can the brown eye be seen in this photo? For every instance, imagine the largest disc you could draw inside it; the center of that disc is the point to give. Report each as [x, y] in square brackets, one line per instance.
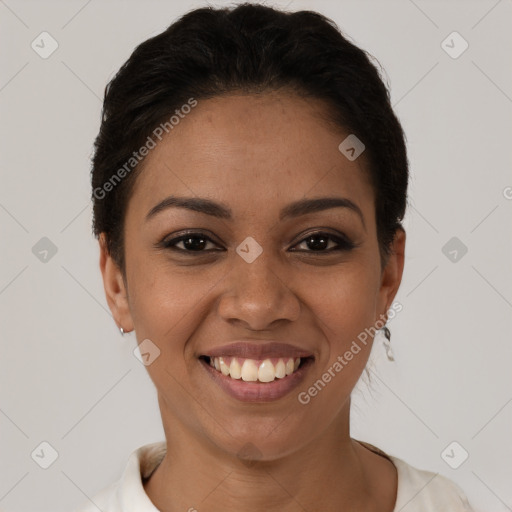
[317, 242]
[192, 242]
[320, 241]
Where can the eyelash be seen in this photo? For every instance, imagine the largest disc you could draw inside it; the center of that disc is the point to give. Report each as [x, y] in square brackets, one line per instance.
[343, 244]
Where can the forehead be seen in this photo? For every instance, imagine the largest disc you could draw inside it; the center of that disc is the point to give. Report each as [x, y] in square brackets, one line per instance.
[252, 151]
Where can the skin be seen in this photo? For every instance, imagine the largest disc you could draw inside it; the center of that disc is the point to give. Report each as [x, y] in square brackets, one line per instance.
[279, 145]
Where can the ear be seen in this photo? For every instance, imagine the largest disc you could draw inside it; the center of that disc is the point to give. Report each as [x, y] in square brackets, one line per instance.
[115, 288]
[391, 275]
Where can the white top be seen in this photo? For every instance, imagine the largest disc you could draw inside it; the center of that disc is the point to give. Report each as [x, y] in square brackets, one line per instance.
[418, 490]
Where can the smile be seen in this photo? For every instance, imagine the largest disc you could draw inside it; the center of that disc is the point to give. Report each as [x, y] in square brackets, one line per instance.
[253, 370]
[256, 380]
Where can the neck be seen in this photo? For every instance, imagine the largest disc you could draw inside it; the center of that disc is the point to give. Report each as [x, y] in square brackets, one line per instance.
[194, 474]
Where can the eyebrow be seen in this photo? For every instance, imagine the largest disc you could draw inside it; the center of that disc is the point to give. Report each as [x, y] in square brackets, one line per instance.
[221, 211]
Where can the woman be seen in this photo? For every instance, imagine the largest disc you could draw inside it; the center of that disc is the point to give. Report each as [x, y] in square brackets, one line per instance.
[249, 182]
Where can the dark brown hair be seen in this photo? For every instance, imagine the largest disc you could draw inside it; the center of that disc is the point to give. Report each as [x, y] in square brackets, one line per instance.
[251, 48]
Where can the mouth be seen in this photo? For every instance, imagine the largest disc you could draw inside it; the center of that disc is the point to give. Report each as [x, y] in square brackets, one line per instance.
[254, 370]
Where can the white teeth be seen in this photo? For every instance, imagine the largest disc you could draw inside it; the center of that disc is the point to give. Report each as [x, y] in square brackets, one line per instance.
[235, 372]
[280, 369]
[224, 368]
[249, 371]
[289, 366]
[253, 371]
[266, 371]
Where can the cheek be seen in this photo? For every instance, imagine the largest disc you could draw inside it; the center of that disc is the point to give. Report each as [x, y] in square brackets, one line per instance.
[167, 306]
[344, 302]
[162, 295]
[344, 307]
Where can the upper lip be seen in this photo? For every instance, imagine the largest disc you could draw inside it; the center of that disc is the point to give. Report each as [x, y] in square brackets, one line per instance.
[251, 350]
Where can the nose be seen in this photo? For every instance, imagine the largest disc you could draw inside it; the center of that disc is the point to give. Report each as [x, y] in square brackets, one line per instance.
[257, 295]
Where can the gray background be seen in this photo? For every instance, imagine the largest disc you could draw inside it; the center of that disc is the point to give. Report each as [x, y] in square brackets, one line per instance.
[67, 376]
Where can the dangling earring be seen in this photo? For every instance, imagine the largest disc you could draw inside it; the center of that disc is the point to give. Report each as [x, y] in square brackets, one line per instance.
[387, 343]
[121, 330]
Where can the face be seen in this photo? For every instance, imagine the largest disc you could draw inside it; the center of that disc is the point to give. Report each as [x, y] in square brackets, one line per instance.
[253, 273]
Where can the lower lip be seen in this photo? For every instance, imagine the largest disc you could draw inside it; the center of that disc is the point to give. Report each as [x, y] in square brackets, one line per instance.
[258, 391]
